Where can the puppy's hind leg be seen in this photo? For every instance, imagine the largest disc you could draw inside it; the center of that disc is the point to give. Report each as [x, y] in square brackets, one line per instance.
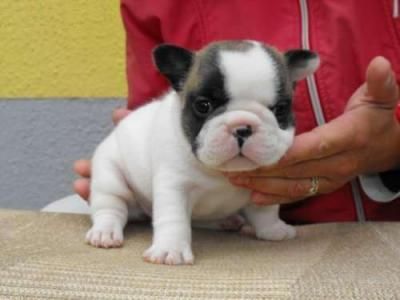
[267, 224]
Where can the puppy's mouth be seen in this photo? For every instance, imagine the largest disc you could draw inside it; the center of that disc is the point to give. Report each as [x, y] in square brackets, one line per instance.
[240, 160]
[233, 154]
[238, 163]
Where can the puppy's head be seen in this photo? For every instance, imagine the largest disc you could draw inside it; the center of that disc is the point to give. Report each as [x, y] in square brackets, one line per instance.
[236, 99]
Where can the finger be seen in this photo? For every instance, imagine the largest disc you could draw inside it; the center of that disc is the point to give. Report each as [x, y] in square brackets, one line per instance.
[337, 136]
[337, 167]
[268, 199]
[381, 82]
[83, 167]
[288, 188]
[256, 172]
[82, 188]
[119, 114]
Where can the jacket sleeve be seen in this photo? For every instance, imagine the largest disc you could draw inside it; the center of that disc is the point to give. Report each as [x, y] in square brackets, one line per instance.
[382, 187]
[143, 33]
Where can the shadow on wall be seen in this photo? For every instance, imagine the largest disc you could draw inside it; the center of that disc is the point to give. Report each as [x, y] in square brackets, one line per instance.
[40, 140]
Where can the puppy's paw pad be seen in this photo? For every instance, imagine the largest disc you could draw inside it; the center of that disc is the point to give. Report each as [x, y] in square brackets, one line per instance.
[232, 223]
[168, 255]
[105, 236]
[277, 232]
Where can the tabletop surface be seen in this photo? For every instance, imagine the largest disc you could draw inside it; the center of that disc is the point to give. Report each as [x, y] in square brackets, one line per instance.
[44, 256]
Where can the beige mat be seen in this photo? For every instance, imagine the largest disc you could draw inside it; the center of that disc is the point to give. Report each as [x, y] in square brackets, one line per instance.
[43, 256]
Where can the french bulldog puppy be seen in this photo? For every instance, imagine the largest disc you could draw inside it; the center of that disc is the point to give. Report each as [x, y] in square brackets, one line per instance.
[229, 109]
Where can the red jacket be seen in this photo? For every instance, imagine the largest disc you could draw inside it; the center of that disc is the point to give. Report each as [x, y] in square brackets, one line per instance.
[346, 33]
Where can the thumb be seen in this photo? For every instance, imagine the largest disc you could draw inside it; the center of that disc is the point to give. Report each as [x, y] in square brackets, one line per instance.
[381, 82]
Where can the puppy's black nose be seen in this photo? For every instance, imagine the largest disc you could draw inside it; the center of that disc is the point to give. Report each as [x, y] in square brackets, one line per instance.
[242, 133]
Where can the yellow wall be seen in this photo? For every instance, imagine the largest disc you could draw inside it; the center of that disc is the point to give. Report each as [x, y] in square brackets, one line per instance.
[61, 48]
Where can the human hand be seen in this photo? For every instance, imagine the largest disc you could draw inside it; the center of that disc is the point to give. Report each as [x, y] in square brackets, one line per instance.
[364, 139]
[83, 167]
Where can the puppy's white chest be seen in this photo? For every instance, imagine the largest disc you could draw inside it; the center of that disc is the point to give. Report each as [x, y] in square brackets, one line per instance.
[218, 202]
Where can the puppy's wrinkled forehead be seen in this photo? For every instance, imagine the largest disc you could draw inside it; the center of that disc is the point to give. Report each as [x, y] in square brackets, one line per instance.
[238, 71]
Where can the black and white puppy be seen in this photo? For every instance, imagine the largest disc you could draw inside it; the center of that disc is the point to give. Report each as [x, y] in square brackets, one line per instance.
[230, 109]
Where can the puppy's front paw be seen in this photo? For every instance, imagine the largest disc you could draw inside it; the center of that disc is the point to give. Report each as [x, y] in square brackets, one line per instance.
[160, 254]
[278, 231]
[105, 235]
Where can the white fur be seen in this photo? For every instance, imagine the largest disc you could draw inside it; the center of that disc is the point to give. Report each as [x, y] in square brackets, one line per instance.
[250, 75]
[146, 165]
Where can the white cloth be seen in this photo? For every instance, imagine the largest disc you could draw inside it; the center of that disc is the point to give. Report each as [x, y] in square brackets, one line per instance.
[70, 204]
[375, 189]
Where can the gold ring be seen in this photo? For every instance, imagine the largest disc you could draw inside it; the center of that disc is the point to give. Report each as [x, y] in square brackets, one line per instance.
[314, 186]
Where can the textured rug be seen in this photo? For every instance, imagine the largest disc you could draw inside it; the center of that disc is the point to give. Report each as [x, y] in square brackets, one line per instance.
[43, 256]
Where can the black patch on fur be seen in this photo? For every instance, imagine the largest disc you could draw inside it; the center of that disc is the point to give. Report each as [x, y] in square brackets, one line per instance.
[282, 109]
[299, 58]
[297, 61]
[283, 112]
[293, 59]
[174, 63]
[211, 87]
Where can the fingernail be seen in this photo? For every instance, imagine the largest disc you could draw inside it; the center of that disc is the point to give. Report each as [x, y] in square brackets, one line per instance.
[390, 80]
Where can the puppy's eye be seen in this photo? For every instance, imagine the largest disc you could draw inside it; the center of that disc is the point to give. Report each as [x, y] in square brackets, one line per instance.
[202, 107]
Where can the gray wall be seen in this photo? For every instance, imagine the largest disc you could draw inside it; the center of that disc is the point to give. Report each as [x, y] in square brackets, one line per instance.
[40, 140]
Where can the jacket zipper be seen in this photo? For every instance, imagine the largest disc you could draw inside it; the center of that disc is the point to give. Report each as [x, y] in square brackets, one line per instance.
[316, 104]
[395, 8]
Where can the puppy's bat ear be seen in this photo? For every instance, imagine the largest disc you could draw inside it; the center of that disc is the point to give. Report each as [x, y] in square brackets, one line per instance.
[301, 63]
[174, 63]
